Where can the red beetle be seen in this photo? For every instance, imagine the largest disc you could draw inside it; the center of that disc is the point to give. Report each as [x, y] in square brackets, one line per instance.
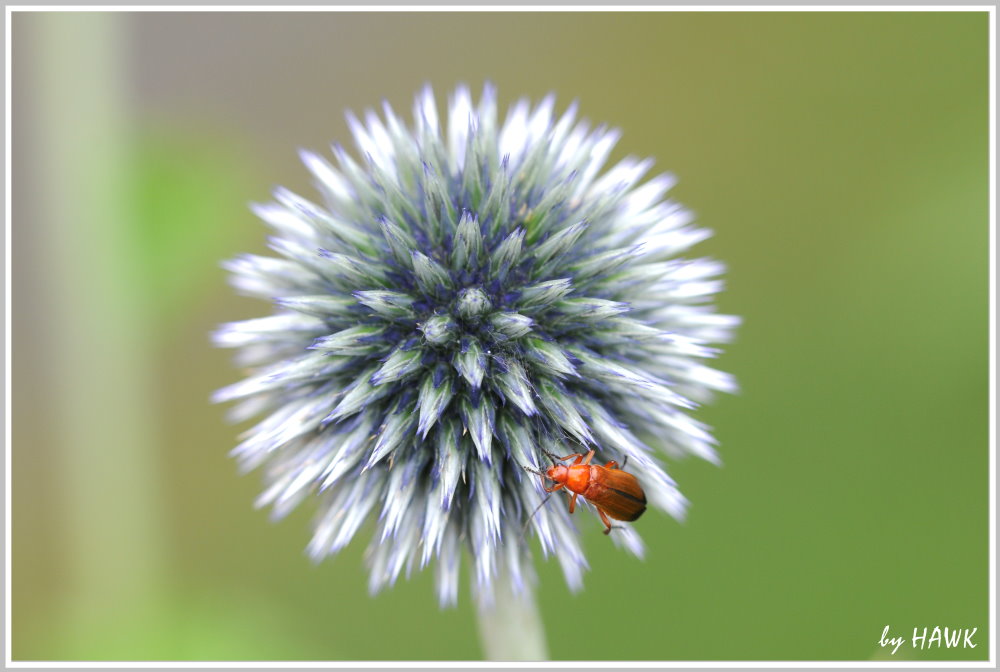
[614, 492]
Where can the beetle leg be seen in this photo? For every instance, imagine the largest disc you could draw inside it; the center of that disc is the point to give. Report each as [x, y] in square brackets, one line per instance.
[586, 460]
[572, 502]
[578, 457]
[555, 487]
[614, 465]
[604, 519]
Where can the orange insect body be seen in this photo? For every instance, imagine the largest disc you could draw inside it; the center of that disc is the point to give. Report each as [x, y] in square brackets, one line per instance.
[613, 492]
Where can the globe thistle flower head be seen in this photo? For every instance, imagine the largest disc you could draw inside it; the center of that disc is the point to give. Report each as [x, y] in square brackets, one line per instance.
[468, 297]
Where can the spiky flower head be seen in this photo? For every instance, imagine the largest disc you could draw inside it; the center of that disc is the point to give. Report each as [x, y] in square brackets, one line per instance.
[466, 298]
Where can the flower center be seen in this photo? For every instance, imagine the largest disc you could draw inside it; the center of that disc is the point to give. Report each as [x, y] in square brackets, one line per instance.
[472, 303]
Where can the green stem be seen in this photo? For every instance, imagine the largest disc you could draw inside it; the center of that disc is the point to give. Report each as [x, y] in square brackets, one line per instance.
[511, 628]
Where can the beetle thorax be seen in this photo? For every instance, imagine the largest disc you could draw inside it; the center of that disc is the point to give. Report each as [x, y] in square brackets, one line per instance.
[578, 478]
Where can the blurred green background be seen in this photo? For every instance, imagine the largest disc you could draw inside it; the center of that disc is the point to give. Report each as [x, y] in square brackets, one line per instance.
[841, 159]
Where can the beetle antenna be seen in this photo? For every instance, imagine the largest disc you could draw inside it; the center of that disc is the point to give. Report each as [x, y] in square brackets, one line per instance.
[532, 471]
[624, 462]
[551, 456]
[524, 528]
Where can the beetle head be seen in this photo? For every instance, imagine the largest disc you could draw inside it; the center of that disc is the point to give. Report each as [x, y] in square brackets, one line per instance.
[558, 473]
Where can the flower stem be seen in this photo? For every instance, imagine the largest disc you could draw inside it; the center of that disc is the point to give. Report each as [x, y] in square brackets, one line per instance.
[511, 627]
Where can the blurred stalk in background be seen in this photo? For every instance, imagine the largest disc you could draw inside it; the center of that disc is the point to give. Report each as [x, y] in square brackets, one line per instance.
[98, 370]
